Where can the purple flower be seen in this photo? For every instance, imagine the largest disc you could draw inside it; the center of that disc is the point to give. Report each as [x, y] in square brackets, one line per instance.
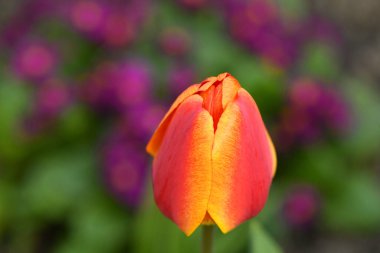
[179, 78]
[87, 15]
[143, 119]
[302, 207]
[116, 86]
[174, 41]
[52, 97]
[25, 17]
[112, 23]
[259, 26]
[134, 81]
[124, 170]
[118, 29]
[34, 60]
[324, 104]
[318, 28]
[312, 111]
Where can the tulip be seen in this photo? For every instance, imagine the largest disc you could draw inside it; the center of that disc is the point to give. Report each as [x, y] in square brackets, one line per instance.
[213, 158]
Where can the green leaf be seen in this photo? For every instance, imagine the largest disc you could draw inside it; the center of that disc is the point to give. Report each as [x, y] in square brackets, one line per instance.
[56, 182]
[356, 207]
[14, 98]
[293, 9]
[97, 226]
[6, 204]
[320, 62]
[364, 141]
[162, 234]
[261, 242]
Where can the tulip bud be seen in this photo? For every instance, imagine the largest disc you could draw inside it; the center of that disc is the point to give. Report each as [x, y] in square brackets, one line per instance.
[213, 158]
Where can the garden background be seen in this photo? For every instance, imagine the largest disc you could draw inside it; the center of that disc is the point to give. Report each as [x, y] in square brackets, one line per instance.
[84, 83]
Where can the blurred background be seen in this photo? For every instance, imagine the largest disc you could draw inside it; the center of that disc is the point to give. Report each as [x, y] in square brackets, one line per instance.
[84, 83]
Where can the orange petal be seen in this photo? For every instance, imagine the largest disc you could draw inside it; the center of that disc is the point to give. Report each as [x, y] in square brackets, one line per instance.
[206, 84]
[182, 166]
[156, 139]
[242, 164]
[230, 89]
[222, 76]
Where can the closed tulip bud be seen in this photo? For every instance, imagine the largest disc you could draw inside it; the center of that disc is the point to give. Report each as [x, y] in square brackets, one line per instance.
[213, 158]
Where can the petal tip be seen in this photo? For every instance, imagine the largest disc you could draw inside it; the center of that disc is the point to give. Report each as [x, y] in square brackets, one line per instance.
[222, 76]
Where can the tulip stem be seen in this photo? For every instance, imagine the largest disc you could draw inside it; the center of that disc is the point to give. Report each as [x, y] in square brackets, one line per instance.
[207, 238]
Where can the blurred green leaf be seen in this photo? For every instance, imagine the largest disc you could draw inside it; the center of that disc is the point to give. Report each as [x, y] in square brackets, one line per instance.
[265, 83]
[215, 52]
[6, 204]
[76, 123]
[356, 207]
[57, 181]
[162, 234]
[261, 242]
[319, 61]
[293, 9]
[364, 139]
[319, 165]
[14, 100]
[97, 226]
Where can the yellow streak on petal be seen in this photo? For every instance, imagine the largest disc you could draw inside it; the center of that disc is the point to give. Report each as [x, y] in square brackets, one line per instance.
[156, 139]
[230, 89]
[274, 155]
[182, 166]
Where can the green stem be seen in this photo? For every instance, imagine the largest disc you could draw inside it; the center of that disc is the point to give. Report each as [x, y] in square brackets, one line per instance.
[207, 238]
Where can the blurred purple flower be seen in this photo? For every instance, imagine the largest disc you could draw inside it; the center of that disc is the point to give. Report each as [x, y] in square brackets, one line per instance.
[174, 41]
[134, 81]
[118, 30]
[320, 29]
[325, 104]
[87, 15]
[25, 17]
[113, 23]
[124, 170]
[52, 97]
[259, 26]
[179, 78]
[313, 110]
[302, 207]
[34, 60]
[116, 86]
[143, 119]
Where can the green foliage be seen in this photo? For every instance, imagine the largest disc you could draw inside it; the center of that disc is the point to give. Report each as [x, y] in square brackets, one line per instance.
[261, 242]
[318, 61]
[364, 139]
[14, 100]
[356, 206]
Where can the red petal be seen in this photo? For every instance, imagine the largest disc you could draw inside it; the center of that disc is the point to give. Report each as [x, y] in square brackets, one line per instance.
[182, 166]
[156, 139]
[242, 164]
